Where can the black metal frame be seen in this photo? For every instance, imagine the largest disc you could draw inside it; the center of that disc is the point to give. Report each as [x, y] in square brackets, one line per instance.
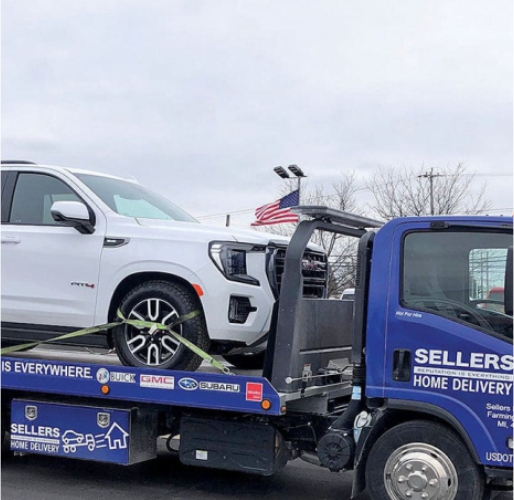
[311, 334]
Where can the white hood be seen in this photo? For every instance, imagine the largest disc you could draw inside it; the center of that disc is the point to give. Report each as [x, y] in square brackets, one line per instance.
[212, 233]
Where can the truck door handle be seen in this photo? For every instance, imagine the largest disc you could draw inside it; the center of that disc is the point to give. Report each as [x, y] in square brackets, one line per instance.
[10, 239]
[401, 365]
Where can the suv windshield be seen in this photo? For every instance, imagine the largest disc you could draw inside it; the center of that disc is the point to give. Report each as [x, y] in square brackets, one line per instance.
[133, 200]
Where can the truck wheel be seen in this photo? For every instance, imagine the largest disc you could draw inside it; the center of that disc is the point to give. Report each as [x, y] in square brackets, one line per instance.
[162, 302]
[422, 459]
[246, 361]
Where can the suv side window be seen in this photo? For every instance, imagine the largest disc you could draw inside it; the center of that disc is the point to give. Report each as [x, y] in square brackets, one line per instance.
[33, 197]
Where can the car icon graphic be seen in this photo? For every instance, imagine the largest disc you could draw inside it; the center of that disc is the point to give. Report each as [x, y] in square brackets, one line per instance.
[72, 439]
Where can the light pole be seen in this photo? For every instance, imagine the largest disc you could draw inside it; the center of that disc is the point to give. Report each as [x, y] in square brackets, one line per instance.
[297, 171]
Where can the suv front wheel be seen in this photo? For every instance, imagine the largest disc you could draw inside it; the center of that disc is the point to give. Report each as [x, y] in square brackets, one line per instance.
[161, 302]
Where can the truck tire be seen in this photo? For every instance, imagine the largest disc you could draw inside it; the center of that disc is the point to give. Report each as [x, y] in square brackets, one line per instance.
[422, 457]
[162, 302]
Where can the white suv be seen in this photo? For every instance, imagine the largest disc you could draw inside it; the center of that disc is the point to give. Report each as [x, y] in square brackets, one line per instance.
[78, 245]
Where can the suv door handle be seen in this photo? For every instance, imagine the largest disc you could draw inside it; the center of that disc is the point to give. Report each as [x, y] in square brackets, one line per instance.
[11, 239]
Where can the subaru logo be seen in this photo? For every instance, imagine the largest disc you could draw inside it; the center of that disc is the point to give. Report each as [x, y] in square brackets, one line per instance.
[188, 384]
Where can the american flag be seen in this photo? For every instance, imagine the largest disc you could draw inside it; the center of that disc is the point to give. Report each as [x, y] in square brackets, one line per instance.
[279, 211]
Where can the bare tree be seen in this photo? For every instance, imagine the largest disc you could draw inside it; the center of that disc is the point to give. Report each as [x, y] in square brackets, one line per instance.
[340, 249]
[403, 192]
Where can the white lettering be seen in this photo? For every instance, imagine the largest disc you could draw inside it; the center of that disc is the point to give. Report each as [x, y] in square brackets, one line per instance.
[70, 371]
[492, 361]
[35, 430]
[431, 382]
[476, 360]
[498, 457]
[44, 447]
[507, 363]
[215, 386]
[482, 386]
[486, 361]
[421, 356]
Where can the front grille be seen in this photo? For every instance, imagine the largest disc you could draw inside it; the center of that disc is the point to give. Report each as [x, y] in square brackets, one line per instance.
[314, 272]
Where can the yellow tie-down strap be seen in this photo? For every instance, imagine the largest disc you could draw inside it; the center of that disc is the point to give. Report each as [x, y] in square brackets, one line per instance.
[132, 322]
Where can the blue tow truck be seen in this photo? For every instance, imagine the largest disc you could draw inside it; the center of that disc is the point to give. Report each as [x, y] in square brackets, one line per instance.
[410, 385]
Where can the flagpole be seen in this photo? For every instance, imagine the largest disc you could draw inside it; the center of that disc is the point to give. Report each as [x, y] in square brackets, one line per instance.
[297, 171]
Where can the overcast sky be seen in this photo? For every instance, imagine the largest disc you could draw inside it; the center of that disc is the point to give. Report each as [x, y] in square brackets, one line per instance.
[200, 99]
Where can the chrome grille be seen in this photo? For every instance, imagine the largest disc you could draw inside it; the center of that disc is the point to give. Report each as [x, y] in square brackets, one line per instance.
[314, 272]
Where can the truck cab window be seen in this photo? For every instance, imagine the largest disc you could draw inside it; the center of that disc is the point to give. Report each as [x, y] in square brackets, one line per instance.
[459, 275]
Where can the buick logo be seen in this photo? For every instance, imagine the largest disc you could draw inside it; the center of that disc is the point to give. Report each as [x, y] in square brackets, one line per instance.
[188, 384]
[102, 375]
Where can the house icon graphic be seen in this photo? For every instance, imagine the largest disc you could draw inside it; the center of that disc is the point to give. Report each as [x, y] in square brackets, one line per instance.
[116, 437]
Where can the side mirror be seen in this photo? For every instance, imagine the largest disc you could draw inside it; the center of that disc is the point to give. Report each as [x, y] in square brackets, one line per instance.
[508, 283]
[73, 214]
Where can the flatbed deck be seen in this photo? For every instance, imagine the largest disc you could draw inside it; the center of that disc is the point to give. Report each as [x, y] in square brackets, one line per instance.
[72, 372]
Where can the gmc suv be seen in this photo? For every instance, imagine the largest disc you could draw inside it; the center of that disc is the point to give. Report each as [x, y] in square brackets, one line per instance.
[79, 245]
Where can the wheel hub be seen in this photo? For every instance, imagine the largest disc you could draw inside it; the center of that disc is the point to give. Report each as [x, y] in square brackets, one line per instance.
[151, 345]
[419, 471]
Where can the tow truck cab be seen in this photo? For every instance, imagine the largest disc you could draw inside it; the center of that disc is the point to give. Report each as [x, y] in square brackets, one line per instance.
[431, 351]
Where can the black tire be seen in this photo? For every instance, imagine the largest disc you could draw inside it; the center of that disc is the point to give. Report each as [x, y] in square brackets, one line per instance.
[395, 463]
[163, 302]
[246, 361]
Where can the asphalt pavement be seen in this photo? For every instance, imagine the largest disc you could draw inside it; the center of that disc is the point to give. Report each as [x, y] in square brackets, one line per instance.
[165, 478]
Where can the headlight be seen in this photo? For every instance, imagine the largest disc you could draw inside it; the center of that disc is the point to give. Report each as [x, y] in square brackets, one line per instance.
[230, 259]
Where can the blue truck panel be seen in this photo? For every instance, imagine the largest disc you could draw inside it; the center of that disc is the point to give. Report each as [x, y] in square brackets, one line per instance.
[164, 387]
[87, 433]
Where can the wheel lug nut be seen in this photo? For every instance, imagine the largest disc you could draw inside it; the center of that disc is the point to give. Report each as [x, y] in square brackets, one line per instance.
[408, 467]
[402, 479]
[433, 482]
[424, 495]
[424, 468]
[408, 493]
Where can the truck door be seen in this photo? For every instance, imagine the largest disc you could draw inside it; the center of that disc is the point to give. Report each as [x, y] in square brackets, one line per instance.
[50, 272]
[448, 338]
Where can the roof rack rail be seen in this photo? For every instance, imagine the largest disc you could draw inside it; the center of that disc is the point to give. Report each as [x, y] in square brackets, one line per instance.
[18, 162]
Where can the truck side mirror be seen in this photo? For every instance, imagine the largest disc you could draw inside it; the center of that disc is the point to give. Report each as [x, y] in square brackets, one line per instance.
[73, 214]
[508, 283]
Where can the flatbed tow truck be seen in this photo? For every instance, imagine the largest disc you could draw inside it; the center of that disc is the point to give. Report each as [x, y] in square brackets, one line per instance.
[409, 386]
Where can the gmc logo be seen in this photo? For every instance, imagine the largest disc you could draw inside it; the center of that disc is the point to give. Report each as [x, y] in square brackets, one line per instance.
[157, 381]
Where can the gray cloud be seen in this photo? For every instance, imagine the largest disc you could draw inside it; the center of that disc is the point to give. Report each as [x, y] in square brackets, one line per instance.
[212, 95]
